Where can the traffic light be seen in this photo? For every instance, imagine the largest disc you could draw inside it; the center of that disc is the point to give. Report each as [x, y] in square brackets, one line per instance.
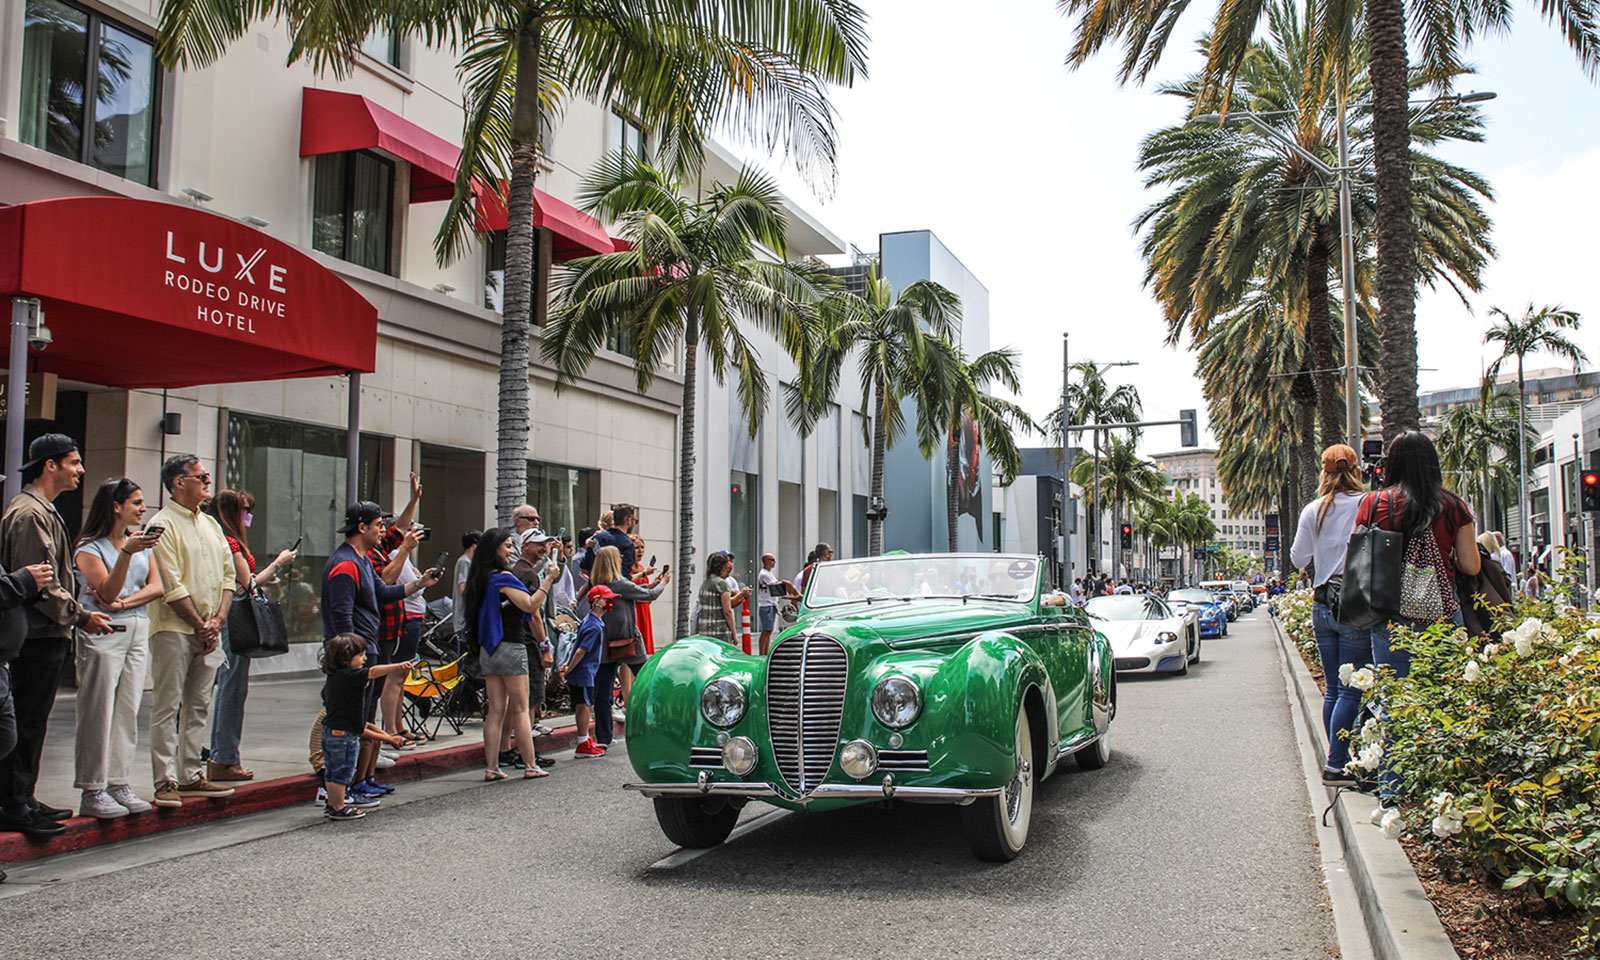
[1188, 428]
[1373, 472]
[1127, 536]
[1591, 491]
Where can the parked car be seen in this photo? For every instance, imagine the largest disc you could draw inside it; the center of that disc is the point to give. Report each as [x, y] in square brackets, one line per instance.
[949, 678]
[1213, 622]
[1147, 635]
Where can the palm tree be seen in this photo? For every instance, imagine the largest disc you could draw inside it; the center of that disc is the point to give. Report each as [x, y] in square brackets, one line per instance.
[1473, 441]
[903, 347]
[1156, 522]
[694, 274]
[991, 419]
[1128, 478]
[1536, 331]
[1143, 30]
[682, 66]
[1092, 399]
[1242, 208]
[1193, 526]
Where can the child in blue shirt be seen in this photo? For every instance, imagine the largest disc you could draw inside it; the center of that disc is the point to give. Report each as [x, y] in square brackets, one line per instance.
[583, 661]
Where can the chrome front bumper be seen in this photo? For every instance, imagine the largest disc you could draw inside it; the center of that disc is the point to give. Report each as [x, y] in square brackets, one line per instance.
[882, 790]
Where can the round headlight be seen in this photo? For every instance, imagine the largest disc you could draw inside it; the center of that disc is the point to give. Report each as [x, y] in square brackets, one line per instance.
[896, 701]
[722, 702]
[858, 759]
[1167, 636]
[739, 756]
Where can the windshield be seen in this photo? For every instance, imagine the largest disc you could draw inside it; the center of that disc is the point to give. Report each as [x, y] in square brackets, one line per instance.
[910, 577]
[1126, 608]
[1192, 596]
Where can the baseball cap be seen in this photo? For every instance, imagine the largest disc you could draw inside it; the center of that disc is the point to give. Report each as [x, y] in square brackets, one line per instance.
[49, 446]
[536, 536]
[601, 592]
[364, 511]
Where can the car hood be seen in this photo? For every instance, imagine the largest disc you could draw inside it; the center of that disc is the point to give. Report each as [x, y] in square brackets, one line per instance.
[1135, 636]
[915, 622]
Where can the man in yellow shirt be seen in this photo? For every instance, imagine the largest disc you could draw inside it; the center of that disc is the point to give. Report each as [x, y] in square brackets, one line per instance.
[185, 629]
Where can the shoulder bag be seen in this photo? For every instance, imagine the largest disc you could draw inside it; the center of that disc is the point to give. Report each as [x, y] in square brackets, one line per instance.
[1370, 592]
[255, 626]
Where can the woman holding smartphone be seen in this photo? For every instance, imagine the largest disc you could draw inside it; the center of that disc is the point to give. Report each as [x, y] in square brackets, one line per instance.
[117, 579]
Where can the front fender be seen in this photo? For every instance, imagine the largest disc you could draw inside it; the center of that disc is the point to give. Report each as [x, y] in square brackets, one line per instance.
[996, 671]
[664, 705]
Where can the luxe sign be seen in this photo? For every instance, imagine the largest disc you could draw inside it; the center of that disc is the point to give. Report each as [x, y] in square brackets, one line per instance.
[216, 298]
[187, 296]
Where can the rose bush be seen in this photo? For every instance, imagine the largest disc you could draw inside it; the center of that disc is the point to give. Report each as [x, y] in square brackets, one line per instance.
[1498, 749]
[1293, 610]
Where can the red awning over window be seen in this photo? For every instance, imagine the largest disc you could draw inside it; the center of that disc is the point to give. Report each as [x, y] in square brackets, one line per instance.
[139, 293]
[333, 122]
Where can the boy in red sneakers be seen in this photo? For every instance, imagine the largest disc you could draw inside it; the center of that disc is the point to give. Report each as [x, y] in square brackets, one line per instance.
[582, 662]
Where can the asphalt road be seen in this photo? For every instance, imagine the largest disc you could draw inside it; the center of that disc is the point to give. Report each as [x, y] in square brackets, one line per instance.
[1195, 842]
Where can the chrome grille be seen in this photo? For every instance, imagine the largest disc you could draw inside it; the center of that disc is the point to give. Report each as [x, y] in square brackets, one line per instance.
[805, 703]
[709, 758]
[896, 760]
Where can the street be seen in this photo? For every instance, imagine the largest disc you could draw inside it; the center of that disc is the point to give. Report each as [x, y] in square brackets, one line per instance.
[1194, 842]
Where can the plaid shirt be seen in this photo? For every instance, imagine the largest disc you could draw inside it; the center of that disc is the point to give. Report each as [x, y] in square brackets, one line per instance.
[393, 615]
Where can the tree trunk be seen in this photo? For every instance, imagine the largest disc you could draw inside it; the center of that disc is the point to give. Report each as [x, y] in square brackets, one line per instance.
[1522, 467]
[511, 454]
[1396, 269]
[880, 443]
[686, 461]
[1288, 514]
[952, 484]
[1319, 324]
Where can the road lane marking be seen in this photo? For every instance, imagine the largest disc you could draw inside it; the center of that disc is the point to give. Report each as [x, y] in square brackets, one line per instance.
[684, 855]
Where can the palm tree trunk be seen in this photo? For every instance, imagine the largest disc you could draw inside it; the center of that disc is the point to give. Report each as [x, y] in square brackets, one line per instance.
[511, 454]
[952, 483]
[880, 443]
[1330, 412]
[1396, 272]
[686, 446]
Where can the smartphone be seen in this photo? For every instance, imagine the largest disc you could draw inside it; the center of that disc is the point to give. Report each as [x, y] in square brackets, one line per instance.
[561, 534]
[439, 563]
[652, 560]
[154, 531]
[665, 568]
[297, 541]
[119, 628]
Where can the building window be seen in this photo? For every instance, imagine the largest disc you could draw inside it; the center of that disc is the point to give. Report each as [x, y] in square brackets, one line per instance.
[568, 498]
[90, 90]
[296, 471]
[494, 271]
[626, 135]
[352, 208]
[383, 44]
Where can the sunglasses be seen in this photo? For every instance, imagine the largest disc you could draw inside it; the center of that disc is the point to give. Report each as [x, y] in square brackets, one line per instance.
[202, 477]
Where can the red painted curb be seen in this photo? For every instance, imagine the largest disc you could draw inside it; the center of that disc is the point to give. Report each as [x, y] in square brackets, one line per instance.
[85, 832]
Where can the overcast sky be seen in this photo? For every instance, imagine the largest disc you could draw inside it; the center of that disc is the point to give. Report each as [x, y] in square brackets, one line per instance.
[970, 125]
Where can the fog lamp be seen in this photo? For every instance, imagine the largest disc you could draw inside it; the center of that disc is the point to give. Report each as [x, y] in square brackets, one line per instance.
[858, 759]
[739, 756]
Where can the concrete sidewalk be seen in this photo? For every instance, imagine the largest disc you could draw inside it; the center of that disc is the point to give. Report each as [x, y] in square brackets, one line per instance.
[278, 718]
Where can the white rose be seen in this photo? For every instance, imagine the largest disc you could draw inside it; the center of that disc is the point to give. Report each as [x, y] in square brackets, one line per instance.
[1492, 650]
[1593, 633]
[1442, 799]
[1371, 732]
[1393, 824]
[1345, 671]
[1524, 646]
[1378, 813]
[1362, 679]
[1530, 626]
[1473, 673]
[1445, 827]
[1370, 757]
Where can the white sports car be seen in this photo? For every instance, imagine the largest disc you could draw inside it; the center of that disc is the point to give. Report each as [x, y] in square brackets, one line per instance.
[1147, 635]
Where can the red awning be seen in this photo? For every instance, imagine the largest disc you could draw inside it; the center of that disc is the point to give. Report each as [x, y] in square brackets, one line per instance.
[576, 233]
[333, 122]
[139, 293]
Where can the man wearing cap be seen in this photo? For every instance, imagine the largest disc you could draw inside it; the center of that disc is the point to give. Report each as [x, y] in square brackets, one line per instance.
[352, 596]
[196, 567]
[397, 641]
[32, 533]
[530, 567]
[766, 602]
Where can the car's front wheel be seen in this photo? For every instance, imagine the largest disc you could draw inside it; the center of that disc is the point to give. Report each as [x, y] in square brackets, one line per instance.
[695, 822]
[997, 827]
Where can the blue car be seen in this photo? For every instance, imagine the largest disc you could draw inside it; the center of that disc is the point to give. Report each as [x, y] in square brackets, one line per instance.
[1213, 621]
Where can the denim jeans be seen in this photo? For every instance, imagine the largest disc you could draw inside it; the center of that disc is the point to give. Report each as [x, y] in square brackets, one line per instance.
[1339, 644]
[233, 686]
[1398, 659]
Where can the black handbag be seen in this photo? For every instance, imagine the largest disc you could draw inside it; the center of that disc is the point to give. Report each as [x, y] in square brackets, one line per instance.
[1374, 566]
[255, 626]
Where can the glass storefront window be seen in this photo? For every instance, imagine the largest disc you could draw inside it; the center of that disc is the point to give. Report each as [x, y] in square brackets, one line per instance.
[352, 208]
[296, 472]
[744, 525]
[81, 72]
[566, 497]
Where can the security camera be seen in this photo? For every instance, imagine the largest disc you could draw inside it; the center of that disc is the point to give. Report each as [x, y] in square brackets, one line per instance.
[39, 335]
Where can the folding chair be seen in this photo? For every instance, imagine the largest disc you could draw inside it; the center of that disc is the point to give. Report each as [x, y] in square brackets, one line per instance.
[431, 693]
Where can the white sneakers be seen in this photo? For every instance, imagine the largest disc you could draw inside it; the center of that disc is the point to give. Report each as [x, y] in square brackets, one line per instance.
[385, 761]
[124, 795]
[98, 804]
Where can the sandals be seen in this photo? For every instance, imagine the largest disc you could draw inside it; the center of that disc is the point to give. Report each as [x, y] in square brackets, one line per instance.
[534, 773]
[490, 776]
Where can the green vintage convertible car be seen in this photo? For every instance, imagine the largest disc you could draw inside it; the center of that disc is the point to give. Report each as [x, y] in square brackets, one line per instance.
[939, 678]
